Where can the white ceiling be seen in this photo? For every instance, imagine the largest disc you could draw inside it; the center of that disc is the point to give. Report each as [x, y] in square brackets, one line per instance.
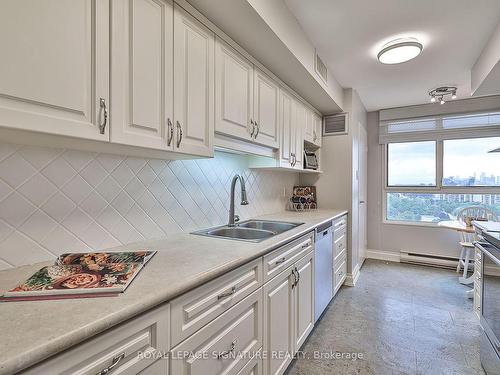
[349, 33]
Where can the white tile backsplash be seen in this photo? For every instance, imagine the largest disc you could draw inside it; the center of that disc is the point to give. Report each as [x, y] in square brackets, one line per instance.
[54, 200]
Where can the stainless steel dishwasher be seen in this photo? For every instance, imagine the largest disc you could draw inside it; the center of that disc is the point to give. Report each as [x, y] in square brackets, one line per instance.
[323, 262]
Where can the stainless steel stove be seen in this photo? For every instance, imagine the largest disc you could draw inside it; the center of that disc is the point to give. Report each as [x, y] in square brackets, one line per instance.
[490, 309]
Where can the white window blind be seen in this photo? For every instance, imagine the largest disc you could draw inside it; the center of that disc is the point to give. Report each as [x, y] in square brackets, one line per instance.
[440, 127]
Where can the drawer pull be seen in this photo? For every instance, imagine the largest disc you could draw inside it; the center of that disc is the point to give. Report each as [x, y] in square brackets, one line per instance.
[305, 246]
[227, 294]
[115, 363]
[227, 352]
[279, 261]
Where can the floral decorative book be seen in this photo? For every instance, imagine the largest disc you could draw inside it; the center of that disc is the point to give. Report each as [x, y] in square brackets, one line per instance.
[82, 275]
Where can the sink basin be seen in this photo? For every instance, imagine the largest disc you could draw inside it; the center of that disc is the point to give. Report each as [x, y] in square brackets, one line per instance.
[273, 226]
[241, 233]
[250, 230]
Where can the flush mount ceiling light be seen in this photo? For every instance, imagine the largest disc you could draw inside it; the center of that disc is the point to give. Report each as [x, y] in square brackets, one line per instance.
[399, 51]
[439, 94]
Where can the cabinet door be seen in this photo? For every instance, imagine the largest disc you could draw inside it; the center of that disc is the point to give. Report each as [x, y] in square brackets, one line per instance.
[142, 43]
[55, 66]
[193, 85]
[298, 127]
[278, 322]
[304, 299]
[309, 129]
[234, 92]
[317, 129]
[287, 117]
[266, 97]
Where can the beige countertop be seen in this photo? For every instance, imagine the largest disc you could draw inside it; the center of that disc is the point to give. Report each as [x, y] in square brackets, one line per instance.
[33, 331]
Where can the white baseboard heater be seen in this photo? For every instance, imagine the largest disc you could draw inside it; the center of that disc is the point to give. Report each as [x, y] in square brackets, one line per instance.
[407, 256]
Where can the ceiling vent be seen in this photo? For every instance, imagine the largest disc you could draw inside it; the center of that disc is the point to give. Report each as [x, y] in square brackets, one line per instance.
[320, 68]
[335, 124]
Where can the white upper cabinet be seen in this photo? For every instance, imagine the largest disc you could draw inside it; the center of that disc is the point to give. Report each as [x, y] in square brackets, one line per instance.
[234, 92]
[54, 67]
[142, 79]
[193, 85]
[287, 115]
[292, 115]
[298, 134]
[309, 129]
[317, 129]
[266, 102]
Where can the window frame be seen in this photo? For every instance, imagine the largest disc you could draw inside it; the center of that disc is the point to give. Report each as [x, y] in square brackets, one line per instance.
[438, 189]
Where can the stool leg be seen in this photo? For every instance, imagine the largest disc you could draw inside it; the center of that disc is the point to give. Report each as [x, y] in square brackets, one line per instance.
[466, 262]
[460, 259]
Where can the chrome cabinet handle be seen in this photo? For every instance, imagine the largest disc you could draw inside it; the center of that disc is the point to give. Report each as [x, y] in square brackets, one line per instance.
[115, 363]
[305, 246]
[170, 132]
[298, 274]
[253, 128]
[292, 159]
[258, 130]
[179, 133]
[227, 294]
[295, 278]
[227, 352]
[102, 110]
[279, 261]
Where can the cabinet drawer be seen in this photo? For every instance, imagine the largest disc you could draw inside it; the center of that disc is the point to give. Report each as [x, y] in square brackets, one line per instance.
[147, 334]
[224, 345]
[339, 246]
[339, 232]
[254, 366]
[281, 258]
[340, 222]
[340, 273]
[195, 309]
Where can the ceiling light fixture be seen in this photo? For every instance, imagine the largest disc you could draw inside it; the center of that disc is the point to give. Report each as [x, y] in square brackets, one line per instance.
[399, 51]
[440, 93]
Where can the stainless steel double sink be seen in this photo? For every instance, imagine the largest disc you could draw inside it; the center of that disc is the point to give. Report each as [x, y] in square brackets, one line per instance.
[250, 230]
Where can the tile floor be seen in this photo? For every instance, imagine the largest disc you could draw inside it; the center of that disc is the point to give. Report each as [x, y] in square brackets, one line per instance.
[404, 319]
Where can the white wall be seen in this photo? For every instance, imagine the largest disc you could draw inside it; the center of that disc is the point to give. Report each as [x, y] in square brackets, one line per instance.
[55, 200]
[394, 237]
[337, 187]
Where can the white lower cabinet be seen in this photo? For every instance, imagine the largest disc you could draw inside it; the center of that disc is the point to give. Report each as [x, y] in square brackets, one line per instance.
[304, 299]
[224, 345]
[254, 367]
[232, 325]
[288, 314]
[132, 348]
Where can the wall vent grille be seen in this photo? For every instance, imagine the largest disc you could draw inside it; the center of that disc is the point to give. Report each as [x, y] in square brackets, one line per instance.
[321, 68]
[335, 124]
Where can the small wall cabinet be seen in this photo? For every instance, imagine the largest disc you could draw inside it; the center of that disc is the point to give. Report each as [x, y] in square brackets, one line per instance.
[292, 123]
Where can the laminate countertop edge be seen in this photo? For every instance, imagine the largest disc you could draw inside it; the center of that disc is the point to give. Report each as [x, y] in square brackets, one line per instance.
[35, 331]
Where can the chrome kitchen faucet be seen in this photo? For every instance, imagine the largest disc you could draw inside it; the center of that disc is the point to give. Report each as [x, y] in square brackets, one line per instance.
[244, 200]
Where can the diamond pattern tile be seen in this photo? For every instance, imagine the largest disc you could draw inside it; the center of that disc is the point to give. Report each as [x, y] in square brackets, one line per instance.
[54, 200]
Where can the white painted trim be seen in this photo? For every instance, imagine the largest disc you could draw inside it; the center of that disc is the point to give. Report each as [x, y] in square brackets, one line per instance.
[389, 256]
[353, 277]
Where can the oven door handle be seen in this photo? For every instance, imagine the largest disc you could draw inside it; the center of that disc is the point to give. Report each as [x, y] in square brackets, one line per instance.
[483, 247]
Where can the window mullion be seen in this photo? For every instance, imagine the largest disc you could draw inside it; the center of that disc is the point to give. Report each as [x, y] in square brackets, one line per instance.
[439, 164]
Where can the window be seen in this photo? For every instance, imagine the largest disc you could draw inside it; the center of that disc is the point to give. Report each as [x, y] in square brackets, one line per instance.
[429, 181]
[411, 164]
[467, 162]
